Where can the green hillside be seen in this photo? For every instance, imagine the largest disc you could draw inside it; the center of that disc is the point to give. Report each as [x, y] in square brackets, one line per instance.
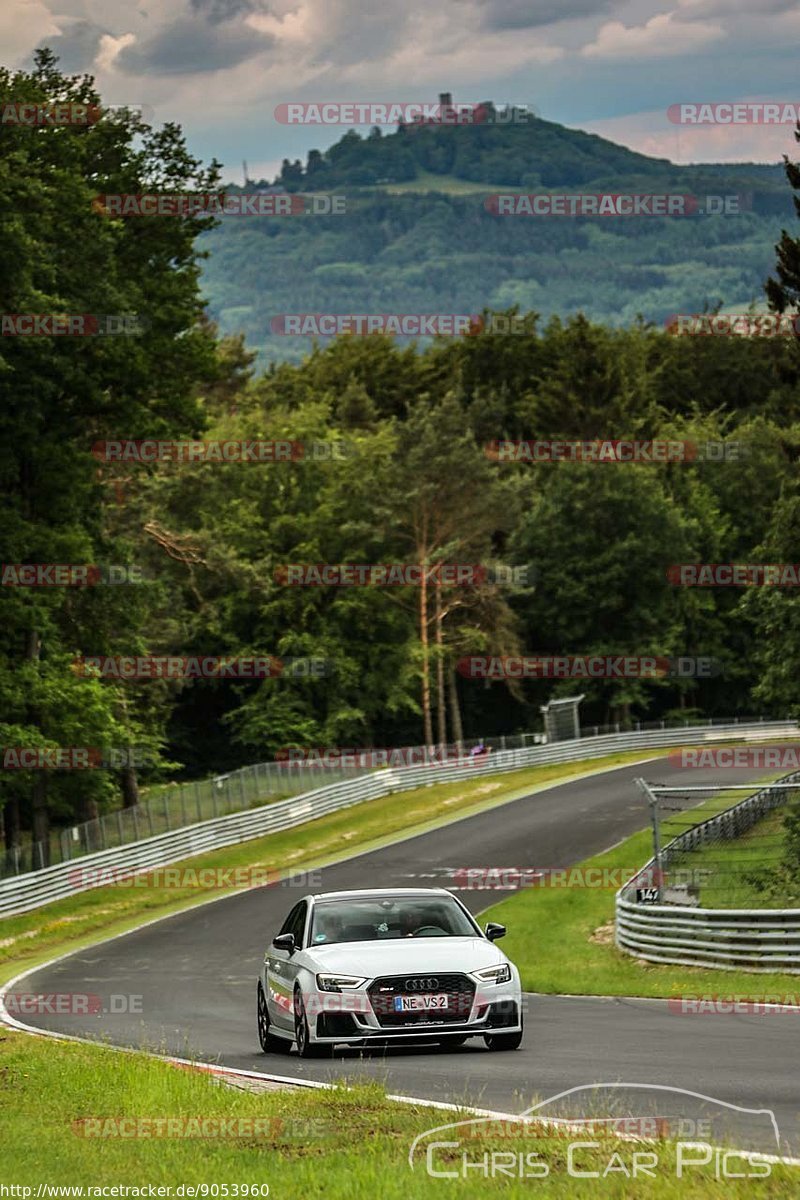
[417, 237]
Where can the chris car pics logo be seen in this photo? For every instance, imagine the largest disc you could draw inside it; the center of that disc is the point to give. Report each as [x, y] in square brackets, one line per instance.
[606, 1131]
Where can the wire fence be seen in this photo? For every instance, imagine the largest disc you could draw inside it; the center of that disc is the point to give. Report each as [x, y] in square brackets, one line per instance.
[729, 853]
[699, 902]
[168, 807]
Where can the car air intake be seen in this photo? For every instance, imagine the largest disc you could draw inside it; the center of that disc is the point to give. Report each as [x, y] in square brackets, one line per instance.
[331, 1024]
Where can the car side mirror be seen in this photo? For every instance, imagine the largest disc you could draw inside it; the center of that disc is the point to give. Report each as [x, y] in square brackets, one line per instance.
[495, 931]
[284, 941]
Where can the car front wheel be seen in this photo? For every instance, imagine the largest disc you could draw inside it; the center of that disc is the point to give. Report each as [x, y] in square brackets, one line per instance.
[305, 1047]
[503, 1041]
[270, 1044]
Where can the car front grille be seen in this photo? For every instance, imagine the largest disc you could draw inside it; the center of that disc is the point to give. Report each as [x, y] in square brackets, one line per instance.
[460, 991]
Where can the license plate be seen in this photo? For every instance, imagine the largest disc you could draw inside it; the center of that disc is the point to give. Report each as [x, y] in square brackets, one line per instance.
[417, 1003]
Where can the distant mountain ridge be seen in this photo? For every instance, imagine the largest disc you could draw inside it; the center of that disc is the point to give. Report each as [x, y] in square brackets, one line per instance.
[524, 152]
[417, 236]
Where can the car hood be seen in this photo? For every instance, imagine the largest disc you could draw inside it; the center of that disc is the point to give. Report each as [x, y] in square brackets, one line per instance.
[398, 955]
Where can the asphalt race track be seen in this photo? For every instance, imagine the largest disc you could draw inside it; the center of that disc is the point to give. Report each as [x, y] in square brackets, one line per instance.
[196, 973]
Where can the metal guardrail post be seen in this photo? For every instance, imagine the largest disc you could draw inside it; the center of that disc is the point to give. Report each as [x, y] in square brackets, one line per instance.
[652, 801]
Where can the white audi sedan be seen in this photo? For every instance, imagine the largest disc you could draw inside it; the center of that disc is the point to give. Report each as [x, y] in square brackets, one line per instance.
[386, 965]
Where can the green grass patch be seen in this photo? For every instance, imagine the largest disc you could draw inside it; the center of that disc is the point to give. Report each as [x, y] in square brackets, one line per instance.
[562, 937]
[449, 185]
[343, 1142]
[76, 921]
[732, 865]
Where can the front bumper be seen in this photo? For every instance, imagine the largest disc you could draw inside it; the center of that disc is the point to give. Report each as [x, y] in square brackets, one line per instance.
[368, 1013]
[501, 1016]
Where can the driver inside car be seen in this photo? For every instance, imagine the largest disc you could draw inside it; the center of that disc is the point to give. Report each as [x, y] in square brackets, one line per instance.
[329, 928]
[409, 921]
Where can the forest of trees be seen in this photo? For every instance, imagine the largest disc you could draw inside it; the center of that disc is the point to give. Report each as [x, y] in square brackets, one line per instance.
[416, 235]
[409, 480]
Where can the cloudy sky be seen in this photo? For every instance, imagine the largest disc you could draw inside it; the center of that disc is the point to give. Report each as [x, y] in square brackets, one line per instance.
[613, 67]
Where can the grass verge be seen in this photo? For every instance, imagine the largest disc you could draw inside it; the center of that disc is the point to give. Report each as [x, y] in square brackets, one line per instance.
[78, 920]
[731, 866]
[353, 1143]
[562, 937]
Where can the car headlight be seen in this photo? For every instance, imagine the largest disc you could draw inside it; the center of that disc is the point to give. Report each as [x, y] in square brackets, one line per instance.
[338, 983]
[501, 974]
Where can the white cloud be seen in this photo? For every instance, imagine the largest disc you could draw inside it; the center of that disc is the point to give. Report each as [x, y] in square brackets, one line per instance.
[661, 37]
[220, 67]
[22, 22]
[651, 133]
[110, 47]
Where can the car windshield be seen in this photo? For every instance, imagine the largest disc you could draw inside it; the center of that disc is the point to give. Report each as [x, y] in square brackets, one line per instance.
[386, 917]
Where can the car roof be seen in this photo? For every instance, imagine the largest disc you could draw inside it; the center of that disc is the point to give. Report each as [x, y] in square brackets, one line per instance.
[377, 893]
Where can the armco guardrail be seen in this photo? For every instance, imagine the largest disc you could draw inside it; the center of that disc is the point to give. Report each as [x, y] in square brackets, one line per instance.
[759, 940]
[24, 892]
[170, 807]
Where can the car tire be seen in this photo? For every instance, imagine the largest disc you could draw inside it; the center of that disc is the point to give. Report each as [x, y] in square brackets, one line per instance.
[302, 1036]
[503, 1041]
[270, 1043]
